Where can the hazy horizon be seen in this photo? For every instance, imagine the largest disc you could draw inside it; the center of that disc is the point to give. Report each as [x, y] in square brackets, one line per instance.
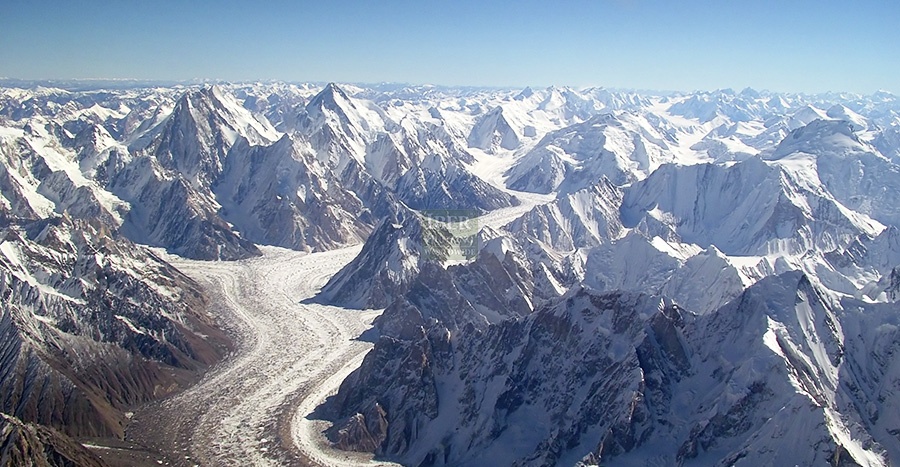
[91, 84]
[809, 47]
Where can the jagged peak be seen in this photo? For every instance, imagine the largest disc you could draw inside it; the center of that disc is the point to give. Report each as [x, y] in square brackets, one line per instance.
[330, 97]
[524, 94]
[593, 308]
[214, 103]
[192, 96]
[496, 111]
[205, 99]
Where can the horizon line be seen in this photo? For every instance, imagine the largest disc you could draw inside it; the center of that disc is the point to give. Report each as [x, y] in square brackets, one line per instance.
[5, 80]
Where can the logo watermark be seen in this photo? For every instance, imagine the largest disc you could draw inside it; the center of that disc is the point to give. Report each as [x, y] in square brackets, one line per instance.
[463, 227]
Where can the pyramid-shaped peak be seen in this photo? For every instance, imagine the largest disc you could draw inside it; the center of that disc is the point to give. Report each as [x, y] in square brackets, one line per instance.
[333, 87]
[212, 98]
[206, 96]
[329, 95]
[206, 91]
[524, 94]
[212, 89]
[213, 109]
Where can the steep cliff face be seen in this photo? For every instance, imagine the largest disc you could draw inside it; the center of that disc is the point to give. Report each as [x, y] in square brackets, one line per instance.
[522, 390]
[211, 179]
[893, 289]
[749, 208]
[417, 161]
[168, 176]
[630, 379]
[583, 219]
[167, 211]
[203, 126]
[281, 195]
[852, 170]
[772, 267]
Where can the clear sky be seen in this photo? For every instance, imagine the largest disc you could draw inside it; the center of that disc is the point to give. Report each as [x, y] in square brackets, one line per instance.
[785, 45]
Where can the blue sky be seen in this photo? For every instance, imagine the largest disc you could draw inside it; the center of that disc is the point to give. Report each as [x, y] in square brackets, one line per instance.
[663, 45]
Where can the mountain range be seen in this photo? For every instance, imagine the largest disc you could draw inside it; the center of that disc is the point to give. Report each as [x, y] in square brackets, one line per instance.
[692, 279]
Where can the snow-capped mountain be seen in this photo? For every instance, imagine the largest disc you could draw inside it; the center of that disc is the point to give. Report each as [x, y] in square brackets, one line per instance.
[196, 175]
[528, 115]
[495, 130]
[749, 208]
[282, 195]
[854, 172]
[201, 129]
[583, 219]
[621, 147]
[690, 279]
[744, 106]
[887, 141]
[631, 379]
[737, 232]
[390, 260]
[423, 167]
[340, 127]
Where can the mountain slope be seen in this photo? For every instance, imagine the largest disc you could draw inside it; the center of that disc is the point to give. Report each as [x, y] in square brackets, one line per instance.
[858, 176]
[715, 281]
[93, 325]
[631, 379]
[748, 208]
[201, 129]
[422, 168]
[281, 195]
[389, 262]
[39, 446]
[582, 219]
[621, 147]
